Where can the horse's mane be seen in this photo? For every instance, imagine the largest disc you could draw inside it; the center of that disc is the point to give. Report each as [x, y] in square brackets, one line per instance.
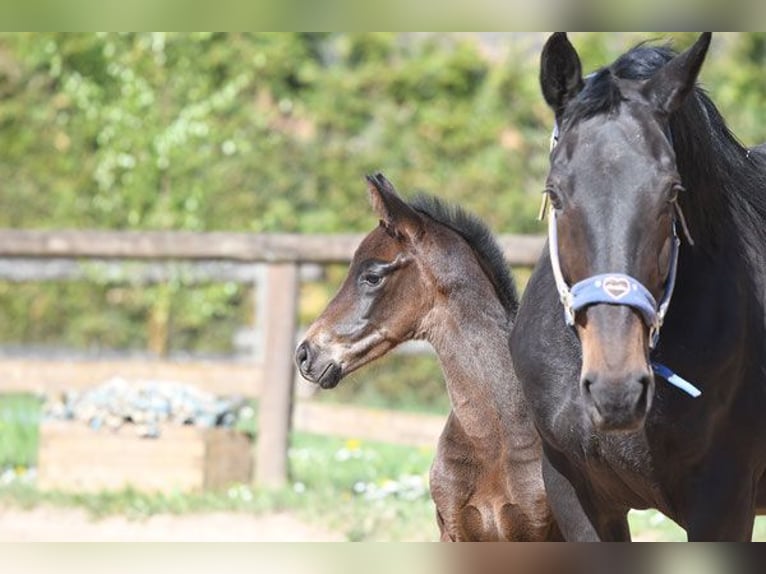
[726, 182]
[480, 239]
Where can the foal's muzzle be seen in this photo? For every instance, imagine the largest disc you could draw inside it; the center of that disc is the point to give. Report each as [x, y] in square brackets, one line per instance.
[326, 373]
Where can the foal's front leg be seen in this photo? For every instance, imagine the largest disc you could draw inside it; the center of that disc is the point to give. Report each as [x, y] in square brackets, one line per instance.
[578, 516]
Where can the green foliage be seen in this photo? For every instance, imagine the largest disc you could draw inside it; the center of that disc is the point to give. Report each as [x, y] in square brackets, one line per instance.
[272, 132]
[249, 132]
[740, 87]
[158, 319]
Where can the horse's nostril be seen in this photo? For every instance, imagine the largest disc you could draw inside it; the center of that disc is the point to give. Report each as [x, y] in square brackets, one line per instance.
[645, 381]
[586, 383]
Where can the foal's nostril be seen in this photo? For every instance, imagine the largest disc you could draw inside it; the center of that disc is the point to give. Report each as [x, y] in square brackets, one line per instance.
[303, 356]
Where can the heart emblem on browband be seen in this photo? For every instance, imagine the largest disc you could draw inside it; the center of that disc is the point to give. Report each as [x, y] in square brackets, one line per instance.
[616, 287]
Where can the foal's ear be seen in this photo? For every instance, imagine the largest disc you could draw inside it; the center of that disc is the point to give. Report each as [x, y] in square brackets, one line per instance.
[668, 88]
[395, 215]
[560, 72]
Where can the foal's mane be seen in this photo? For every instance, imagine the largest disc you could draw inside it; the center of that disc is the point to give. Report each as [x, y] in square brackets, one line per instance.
[726, 183]
[479, 238]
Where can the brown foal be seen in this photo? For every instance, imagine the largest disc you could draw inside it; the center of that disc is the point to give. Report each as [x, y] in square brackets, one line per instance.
[433, 272]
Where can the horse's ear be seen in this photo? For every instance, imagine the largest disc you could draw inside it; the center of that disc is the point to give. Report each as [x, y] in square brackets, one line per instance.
[560, 72]
[668, 88]
[394, 213]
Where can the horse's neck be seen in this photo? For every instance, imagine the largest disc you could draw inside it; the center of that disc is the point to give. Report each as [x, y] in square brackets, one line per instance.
[487, 401]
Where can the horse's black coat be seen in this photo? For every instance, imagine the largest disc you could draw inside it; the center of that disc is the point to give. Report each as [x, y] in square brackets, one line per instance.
[629, 135]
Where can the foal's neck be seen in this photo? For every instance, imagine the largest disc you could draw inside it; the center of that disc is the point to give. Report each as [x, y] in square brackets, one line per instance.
[470, 335]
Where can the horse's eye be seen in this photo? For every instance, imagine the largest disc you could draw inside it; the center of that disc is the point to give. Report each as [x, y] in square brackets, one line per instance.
[553, 197]
[675, 189]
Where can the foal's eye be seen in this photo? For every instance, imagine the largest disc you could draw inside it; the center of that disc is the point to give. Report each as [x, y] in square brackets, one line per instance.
[371, 279]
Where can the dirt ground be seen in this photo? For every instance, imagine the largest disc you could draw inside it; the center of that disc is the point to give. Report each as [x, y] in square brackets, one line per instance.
[49, 524]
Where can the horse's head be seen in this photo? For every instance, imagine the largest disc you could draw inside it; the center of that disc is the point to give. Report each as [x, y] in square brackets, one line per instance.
[613, 185]
[382, 299]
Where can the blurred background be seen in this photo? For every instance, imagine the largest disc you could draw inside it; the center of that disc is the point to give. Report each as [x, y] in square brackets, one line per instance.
[261, 133]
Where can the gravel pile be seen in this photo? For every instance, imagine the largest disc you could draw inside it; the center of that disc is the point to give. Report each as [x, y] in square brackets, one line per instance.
[146, 405]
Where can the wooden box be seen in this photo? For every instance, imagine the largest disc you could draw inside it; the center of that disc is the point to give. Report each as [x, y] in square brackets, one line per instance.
[75, 458]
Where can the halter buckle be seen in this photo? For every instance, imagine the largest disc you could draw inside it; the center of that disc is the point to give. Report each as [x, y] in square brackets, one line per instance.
[568, 303]
[543, 207]
[654, 336]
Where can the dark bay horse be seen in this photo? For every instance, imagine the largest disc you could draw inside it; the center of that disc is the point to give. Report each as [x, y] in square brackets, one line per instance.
[433, 272]
[649, 190]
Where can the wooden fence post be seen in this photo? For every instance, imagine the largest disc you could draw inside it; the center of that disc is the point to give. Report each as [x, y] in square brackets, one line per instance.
[275, 408]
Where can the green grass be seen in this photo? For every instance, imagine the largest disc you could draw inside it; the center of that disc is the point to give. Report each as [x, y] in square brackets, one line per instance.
[19, 424]
[338, 484]
[364, 490]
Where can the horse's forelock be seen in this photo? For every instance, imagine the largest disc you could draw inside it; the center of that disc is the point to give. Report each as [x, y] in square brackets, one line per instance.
[601, 93]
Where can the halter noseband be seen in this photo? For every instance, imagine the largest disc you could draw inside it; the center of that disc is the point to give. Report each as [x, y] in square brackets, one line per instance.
[618, 288]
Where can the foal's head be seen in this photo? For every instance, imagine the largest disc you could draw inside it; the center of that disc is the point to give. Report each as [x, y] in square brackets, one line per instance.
[613, 186]
[386, 296]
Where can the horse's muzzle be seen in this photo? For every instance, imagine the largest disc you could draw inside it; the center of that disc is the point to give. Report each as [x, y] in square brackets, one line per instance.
[617, 403]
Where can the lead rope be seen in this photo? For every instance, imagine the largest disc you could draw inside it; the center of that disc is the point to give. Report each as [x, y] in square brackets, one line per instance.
[659, 369]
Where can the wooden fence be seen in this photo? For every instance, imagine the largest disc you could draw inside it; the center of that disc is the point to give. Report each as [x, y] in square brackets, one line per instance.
[270, 262]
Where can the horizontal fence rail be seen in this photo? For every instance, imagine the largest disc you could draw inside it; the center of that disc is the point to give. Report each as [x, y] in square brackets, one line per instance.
[270, 262]
[522, 250]
[39, 269]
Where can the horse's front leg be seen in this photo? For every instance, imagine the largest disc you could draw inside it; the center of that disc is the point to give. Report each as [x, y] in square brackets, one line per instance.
[721, 503]
[760, 502]
[579, 517]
